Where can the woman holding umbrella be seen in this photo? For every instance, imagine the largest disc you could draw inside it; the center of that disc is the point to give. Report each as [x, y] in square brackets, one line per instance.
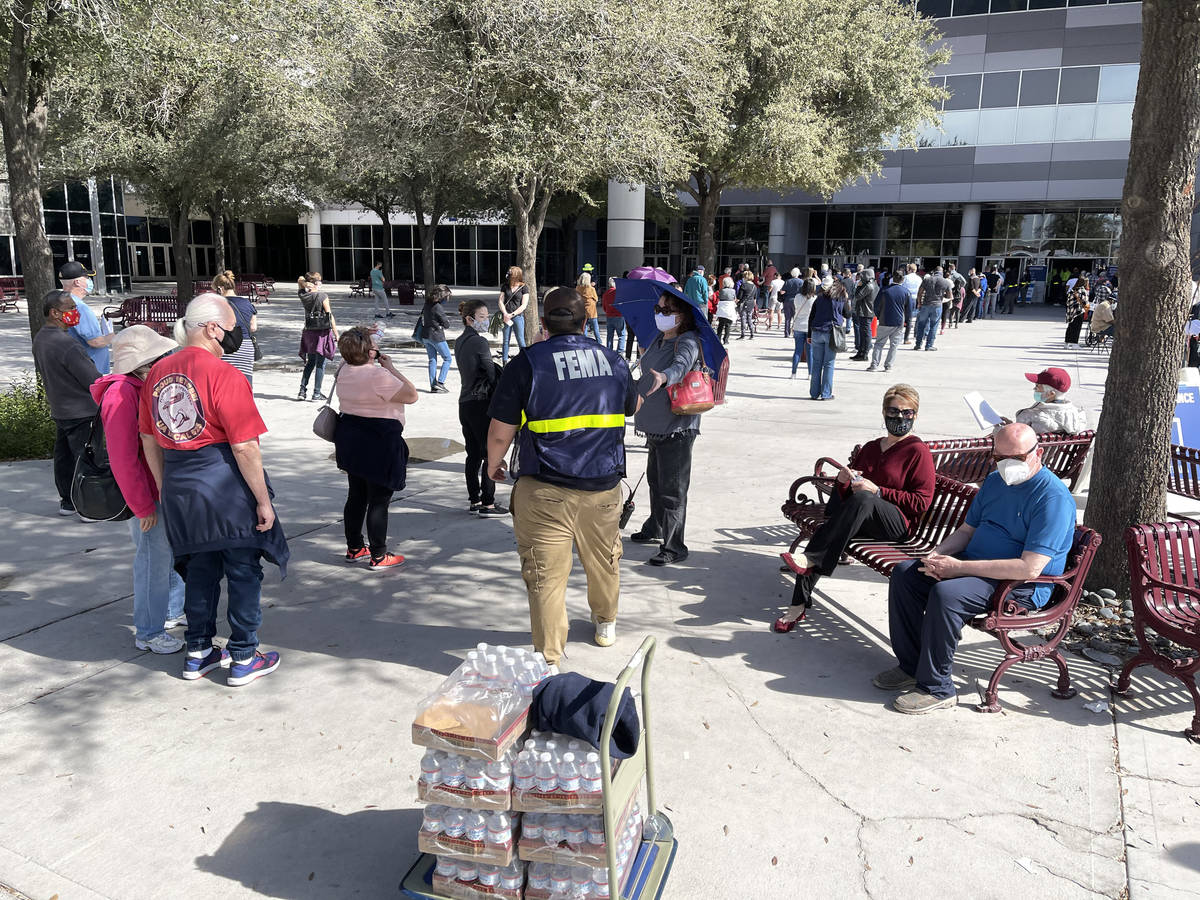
[669, 437]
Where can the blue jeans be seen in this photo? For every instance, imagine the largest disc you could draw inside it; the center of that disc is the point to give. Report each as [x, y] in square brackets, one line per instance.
[801, 338]
[928, 317]
[593, 325]
[616, 327]
[433, 351]
[925, 618]
[242, 572]
[821, 358]
[157, 587]
[518, 325]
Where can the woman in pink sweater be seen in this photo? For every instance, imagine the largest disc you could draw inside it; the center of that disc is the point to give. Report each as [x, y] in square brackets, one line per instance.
[157, 587]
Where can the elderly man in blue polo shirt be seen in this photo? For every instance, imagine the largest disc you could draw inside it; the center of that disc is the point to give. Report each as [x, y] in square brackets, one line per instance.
[1019, 526]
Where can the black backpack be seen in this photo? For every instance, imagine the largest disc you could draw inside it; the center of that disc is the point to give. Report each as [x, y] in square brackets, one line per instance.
[94, 490]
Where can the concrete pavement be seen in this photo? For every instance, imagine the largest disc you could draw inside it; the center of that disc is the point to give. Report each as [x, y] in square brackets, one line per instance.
[783, 769]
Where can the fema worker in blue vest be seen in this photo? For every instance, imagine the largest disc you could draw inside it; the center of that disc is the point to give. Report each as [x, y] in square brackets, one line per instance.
[564, 400]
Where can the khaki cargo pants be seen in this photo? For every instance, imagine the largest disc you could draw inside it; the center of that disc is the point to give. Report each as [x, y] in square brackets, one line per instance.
[547, 521]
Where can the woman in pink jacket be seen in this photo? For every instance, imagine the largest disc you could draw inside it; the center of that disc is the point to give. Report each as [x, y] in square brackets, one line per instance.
[157, 587]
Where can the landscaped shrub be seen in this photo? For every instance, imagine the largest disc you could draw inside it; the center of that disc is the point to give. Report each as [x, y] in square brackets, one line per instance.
[26, 429]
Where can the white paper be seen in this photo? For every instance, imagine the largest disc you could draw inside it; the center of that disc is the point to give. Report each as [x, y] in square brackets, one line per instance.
[983, 412]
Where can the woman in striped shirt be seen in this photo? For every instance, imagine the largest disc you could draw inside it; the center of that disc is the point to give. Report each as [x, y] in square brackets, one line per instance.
[247, 316]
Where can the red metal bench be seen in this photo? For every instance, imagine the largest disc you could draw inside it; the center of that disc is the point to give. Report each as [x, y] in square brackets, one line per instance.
[1184, 477]
[11, 289]
[1164, 584]
[970, 459]
[405, 291]
[159, 311]
[360, 288]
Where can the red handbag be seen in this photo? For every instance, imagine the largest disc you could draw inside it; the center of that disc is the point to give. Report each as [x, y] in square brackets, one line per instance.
[694, 393]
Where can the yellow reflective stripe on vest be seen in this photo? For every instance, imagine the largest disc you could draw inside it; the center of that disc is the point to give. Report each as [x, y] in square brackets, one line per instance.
[570, 423]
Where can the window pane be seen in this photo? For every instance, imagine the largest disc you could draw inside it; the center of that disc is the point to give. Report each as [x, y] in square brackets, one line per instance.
[1114, 121]
[443, 266]
[489, 239]
[83, 253]
[376, 235]
[1076, 122]
[81, 223]
[970, 7]
[816, 248]
[464, 267]
[202, 232]
[899, 227]
[77, 197]
[952, 227]
[6, 260]
[1118, 82]
[160, 231]
[343, 266]
[326, 235]
[55, 197]
[402, 263]
[1039, 87]
[839, 225]
[1000, 88]
[362, 264]
[444, 240]
[1079, 85]
[1009, 5]
[964, 91]
[108, 225]
[136, 229]
[933, 8]
[506, 241]
[816, 224]
[56, 222]
[1061, 224]
[464, 239]
[997, 126]
[1047, 4]
[362, 235]
[927, 225]
[104, 193]
[1099, 224]
[341, 236]
[1035, 124]
[402, 236]
[867, 226]
[961, 129]
[488, 264]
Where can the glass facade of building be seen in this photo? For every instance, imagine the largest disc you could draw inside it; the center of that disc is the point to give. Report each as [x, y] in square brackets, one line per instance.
[942, 8]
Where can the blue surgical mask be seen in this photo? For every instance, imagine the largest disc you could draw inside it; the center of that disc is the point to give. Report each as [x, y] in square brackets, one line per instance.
[91, 286]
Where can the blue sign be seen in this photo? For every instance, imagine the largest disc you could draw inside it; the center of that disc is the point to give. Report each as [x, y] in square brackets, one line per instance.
[1035, 273]
[1185, 427]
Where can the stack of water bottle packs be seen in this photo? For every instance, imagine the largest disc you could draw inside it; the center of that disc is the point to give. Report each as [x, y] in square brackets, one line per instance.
[494, 804]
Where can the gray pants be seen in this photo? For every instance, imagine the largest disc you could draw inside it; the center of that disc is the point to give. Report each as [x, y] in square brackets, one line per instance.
[889, 334]
[381, 302]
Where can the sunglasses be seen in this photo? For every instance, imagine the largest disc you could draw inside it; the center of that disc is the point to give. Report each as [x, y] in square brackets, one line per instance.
[664, 310]
[996, 457]
[893, 412]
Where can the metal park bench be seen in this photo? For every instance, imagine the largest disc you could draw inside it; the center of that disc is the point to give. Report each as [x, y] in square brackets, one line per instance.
[1184, 478]
[10, 292]
[159, 311]
[970, 459]
[1164, 583]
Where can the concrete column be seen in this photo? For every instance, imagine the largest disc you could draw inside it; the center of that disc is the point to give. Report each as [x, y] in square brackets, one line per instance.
[777, 234]
[626, 226]
[795, 240]
[313, 239]
[250, 246]
[100, 279]
[968, 238]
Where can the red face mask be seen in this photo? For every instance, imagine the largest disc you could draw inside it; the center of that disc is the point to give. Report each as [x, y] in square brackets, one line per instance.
[71, 317]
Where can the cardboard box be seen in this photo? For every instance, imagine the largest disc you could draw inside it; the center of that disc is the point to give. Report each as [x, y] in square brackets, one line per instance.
[460, 848]
[473, 890]
[564, 854]
[455, 728]
[464, 797]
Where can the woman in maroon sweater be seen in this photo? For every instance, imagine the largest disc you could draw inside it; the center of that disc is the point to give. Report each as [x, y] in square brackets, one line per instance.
[882, 495]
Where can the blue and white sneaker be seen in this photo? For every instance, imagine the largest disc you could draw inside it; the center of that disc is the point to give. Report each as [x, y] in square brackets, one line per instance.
[198, 666]
[257, 666]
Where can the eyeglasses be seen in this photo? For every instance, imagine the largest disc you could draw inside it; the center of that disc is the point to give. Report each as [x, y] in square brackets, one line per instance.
[996, 457]
[893, 412]
[664, 310]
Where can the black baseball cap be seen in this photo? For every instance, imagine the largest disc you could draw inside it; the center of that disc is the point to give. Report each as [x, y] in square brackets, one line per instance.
[72, 269]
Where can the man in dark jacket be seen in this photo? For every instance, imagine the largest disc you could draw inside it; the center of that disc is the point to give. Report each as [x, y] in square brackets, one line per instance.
[889, 307]
[864, 311]
[67, 373]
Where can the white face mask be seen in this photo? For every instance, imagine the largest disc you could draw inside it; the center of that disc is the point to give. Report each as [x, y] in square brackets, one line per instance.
[1014, 471]
[480, 325]
[665, 323]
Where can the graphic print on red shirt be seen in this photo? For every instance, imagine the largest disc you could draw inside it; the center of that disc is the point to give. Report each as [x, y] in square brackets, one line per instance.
[193, 399]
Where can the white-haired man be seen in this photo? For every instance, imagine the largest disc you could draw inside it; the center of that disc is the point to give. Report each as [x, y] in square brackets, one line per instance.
[200, 430]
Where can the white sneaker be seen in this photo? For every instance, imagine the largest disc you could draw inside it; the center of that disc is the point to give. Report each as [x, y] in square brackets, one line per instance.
[175, 621]
[606, 633]
[552, 669]
[163, 643]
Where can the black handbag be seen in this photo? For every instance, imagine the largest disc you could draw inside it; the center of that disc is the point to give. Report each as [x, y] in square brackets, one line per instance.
[94, 490]
[837, 338]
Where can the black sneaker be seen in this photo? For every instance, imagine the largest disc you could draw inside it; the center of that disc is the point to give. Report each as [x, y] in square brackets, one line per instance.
[487, 512]
[441, 388]
[319, 396]
[66, 508]
[640, 537]
[303, 395]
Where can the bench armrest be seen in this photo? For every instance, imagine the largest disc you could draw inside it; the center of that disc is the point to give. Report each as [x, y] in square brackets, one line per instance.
[1150, 581]
[1003, 606]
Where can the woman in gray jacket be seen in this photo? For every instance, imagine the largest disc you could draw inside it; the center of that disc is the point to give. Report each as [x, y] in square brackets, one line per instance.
[673, 353]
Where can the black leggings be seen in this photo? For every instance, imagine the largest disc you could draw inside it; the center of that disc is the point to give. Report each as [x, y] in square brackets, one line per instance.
[367, 501]
[473, 416]
[858, 514]
[723, 326]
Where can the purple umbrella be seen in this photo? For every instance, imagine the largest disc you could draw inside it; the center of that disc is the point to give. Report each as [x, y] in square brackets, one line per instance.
[652, 273]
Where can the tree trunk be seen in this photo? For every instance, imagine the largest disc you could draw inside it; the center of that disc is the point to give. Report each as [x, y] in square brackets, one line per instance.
[529, 204]
[385, 251]
[180, 252]
[235, 247]
[218, 229]
[708, 196]
[1129, 477]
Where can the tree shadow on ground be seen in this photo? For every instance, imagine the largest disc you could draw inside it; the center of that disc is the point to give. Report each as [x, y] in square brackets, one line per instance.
[297, 852]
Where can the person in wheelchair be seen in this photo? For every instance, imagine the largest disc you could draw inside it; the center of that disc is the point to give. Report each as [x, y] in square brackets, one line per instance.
[882, 495]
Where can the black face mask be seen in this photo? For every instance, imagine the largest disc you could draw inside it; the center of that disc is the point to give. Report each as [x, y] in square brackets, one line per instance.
[898, 426]
[231, 340]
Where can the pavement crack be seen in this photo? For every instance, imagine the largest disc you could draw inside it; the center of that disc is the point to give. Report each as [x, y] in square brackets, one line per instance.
[72, 683]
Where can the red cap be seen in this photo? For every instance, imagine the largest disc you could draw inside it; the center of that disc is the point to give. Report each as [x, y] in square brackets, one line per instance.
[1054, 378]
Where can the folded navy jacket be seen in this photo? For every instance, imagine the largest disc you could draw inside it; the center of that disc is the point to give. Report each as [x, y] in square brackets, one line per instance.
[575, 706]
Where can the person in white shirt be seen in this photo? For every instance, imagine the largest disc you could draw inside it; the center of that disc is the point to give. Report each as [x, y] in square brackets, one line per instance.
[775, 304]
[912, 283]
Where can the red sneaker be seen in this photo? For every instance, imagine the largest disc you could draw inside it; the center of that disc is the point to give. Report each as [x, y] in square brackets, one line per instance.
[387, 560]
[360, 553]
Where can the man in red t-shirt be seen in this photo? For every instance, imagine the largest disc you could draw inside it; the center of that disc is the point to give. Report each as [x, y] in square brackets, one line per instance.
[200, 428]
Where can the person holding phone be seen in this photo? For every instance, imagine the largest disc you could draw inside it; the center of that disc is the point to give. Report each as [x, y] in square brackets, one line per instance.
[882, 495]
[369, 440]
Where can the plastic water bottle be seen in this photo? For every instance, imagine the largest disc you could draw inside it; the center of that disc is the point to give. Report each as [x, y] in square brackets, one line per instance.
[453, 770]
[433, 819]
[527, 680]
[539, 876]
[600, 881]
[499, 829]
[467, 871]
[595, 831]
[568, 774]
[446, 867]
[454, 824]
[581, 881]
[470, 675]
[489, 875]
[553, 829]
[476, 775]
[489, 671]
[431, 768]
[482, 649]
[524, 771]
[499, 775]
[476, 829]
[576, 830]
[591, 780]
[546, 777]
[560, 879]
[511, 877]
[531, 826]
[508, 668]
